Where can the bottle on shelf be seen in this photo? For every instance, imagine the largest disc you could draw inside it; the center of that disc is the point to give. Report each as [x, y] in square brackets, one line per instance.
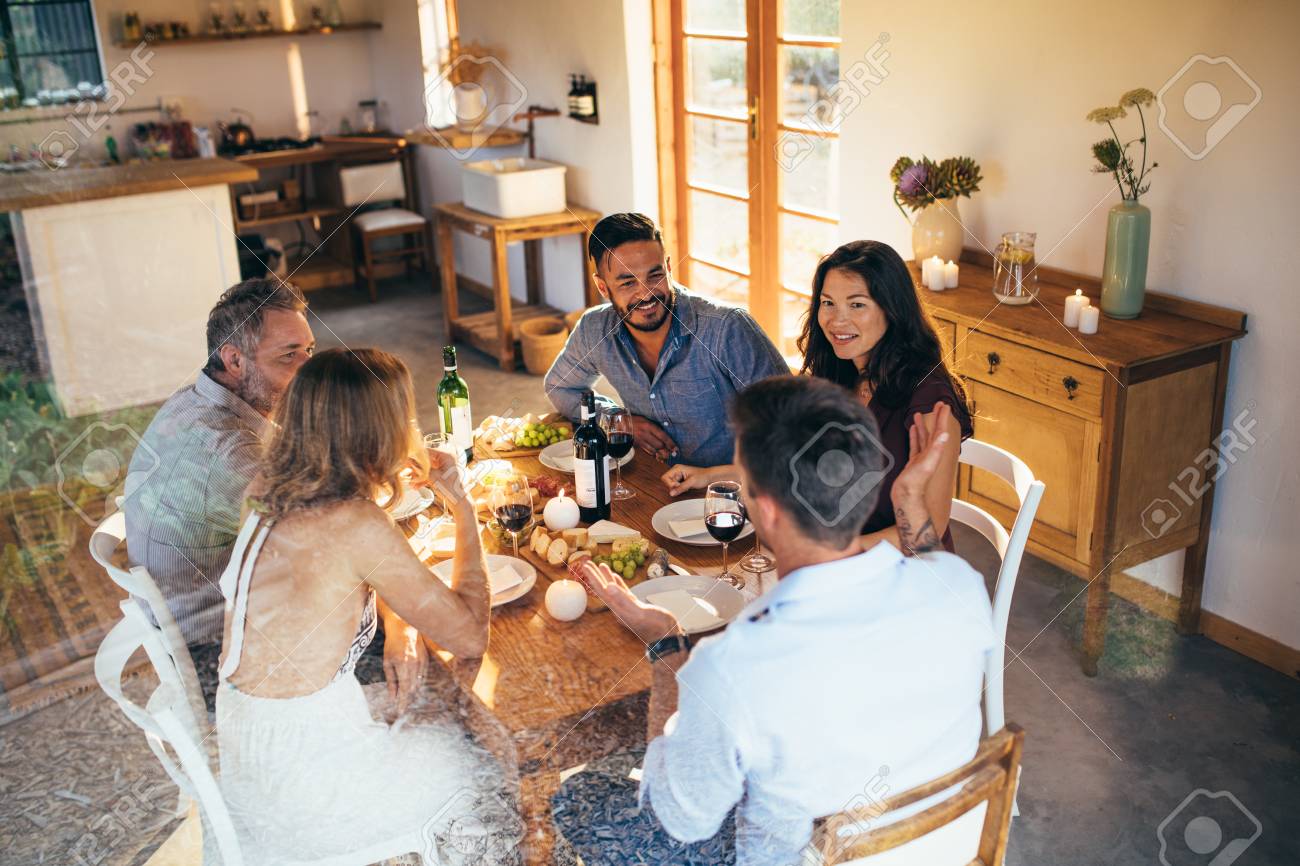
[586, 106]
[573, 93]
[591, 465]
[454, 417]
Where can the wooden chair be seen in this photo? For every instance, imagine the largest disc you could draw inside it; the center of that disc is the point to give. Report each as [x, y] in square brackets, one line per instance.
[987, 782]
[1010, 547]
[375, 183]
[107, 543]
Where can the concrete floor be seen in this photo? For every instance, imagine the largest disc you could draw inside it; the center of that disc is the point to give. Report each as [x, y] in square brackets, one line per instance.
[1107, 760]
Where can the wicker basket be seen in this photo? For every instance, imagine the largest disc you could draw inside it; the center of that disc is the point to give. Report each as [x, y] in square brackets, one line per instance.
[542, 339]
[571, 319]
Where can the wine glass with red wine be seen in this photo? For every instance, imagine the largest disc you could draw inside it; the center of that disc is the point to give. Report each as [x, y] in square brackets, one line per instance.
[512, 504]
[617, 424]
[724, 517]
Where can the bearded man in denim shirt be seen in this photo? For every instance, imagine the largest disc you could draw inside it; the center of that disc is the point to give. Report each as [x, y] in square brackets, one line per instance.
[675, 358]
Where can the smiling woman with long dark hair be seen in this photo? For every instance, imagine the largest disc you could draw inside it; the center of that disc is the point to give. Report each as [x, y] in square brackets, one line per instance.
[866, 330]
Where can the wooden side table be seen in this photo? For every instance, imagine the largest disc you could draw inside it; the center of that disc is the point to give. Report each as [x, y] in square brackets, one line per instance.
[1114, 423]
[496, 332]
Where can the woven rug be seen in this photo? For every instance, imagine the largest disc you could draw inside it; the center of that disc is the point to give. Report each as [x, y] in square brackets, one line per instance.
[56, 603]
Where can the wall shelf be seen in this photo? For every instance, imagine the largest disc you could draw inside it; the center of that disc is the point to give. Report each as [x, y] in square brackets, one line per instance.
[253, 34]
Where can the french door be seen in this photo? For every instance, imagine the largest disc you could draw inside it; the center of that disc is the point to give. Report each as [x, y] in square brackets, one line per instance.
[748, 134]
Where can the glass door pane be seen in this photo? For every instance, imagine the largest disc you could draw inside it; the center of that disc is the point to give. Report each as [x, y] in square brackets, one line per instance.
[810, 18]
[715, 76]
[720, 230]
[728, 15]
[719, 154]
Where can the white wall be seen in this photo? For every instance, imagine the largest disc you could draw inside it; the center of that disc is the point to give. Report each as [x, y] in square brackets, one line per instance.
[1009, 83]
[611, 165]
[275, 80]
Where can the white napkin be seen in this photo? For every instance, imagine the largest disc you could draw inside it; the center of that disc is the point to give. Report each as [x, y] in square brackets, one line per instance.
[689, 527]
[504, 579]
[691, 612]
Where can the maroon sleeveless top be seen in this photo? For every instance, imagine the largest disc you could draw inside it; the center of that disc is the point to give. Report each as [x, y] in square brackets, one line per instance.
[895, 425]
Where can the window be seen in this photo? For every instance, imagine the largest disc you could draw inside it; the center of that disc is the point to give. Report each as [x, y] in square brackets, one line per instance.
[50, 53]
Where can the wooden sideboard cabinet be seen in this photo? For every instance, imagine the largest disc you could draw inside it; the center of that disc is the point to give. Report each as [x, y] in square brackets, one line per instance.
[1110, 422]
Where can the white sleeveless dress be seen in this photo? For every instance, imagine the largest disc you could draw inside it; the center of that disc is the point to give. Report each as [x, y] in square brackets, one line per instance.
[312, 776]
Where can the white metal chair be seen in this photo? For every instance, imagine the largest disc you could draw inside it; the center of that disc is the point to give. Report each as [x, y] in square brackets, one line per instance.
[167, 723]
[383, 182]
[1010, 547]
[110, 537]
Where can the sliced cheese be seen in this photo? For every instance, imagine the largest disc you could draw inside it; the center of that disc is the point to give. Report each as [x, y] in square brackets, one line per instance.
[575, 537]
[604, 531]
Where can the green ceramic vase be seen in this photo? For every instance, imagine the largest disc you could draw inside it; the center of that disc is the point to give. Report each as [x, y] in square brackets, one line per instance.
[1124, 274]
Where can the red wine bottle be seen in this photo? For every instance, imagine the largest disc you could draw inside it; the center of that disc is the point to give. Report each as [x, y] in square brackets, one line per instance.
[591, 465]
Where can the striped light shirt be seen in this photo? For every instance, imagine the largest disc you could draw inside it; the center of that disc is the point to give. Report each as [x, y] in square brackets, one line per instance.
[185, 487]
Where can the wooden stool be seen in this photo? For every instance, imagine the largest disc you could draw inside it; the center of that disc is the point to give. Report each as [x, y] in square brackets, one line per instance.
[494, 332]
[380, 182]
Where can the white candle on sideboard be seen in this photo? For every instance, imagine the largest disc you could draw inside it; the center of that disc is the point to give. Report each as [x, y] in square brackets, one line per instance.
[1074, 304]
[1089, 317]
[932, 277]
[950, 272]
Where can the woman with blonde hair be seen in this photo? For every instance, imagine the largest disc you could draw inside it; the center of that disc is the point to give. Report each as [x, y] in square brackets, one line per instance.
[306, 771]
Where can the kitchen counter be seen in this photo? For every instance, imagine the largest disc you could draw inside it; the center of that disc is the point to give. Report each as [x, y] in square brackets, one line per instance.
[22, 190]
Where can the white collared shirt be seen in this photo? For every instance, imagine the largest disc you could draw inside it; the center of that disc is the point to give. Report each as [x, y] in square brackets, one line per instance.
[850, 681]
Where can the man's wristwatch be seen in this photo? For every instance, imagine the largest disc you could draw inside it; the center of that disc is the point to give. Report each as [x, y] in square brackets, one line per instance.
[667, 646]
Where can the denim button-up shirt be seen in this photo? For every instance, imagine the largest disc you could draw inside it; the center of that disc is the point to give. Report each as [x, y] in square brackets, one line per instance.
[712, 352]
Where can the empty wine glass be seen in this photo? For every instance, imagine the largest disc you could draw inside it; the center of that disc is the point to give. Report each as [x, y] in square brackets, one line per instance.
[617, 424]
[725, 519]
[756, 561]
[511, 502]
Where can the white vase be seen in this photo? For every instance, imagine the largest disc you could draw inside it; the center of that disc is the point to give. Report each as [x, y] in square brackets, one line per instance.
[470, 105]
[937, 231]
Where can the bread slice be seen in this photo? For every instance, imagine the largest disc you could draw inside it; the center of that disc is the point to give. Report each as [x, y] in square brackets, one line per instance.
[558, 552]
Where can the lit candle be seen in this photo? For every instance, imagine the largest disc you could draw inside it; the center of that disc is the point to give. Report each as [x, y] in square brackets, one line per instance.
[560, 513]
[925, 272]
[566, 600]
[932, 273]
[1089, 316]
[950, 276]
[1074, 304]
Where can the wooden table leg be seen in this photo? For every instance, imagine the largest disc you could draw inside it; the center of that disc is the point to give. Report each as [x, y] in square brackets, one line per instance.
[501, 287]
[447, 265]
[1094, 622]
[533, 270]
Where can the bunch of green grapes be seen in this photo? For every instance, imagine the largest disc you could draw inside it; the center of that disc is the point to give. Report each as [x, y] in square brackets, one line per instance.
[623, 564]
[539, 435]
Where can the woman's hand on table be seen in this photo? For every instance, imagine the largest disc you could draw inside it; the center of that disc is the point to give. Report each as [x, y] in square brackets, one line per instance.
[681, 478]
[406, 661]
[648, 622]
[652, 439]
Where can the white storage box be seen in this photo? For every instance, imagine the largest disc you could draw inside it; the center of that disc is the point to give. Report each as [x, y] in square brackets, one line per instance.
[514, 187]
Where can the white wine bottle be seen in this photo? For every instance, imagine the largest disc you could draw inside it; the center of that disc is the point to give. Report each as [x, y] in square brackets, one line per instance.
[454, 417]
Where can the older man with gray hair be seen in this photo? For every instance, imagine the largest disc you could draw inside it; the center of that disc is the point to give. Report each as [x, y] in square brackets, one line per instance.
[207, 438]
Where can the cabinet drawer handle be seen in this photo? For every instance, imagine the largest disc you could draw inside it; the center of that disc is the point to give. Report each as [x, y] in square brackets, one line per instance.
[994, 359]
[1071, 385]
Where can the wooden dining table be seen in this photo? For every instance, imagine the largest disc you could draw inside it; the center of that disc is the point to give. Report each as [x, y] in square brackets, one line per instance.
[548, 695]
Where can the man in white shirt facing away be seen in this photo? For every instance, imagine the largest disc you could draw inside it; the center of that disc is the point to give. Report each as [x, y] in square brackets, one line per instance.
[858, 675]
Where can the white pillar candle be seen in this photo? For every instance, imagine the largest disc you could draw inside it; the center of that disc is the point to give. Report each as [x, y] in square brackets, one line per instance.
[566, 600]
[932, 273]
[1089, 316]
[1074, 304]
[925, 272]
[950, 275]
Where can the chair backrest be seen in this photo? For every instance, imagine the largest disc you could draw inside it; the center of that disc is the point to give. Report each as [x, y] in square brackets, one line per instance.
[987, 782]
[1010, 547]
[105, 543]
[372, 183]
[166, 723]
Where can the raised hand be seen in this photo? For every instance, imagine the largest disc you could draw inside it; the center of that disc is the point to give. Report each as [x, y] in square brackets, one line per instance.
[648, 622]
[926, 440]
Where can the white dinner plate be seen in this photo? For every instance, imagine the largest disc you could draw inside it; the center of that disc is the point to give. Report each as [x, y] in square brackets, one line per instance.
[559, 456]
[685, 509]
[442, 571]
[725, 600]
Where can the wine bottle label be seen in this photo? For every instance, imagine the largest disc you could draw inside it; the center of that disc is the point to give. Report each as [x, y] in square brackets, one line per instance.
[458, 419]
[584, 480]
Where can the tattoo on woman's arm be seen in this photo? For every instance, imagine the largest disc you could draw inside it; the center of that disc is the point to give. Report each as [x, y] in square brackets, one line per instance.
[921, 540]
